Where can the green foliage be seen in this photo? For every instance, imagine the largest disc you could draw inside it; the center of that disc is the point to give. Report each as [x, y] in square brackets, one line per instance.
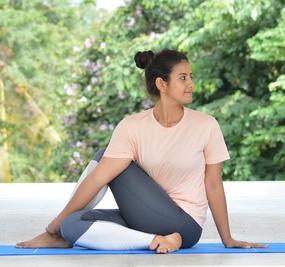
[222, 39]
[236, 50]
[36, 41]
[268, 45]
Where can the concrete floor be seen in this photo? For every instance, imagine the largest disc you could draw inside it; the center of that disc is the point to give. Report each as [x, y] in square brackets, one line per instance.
[256, 214]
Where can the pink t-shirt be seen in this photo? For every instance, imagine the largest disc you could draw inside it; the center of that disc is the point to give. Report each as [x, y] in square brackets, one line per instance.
[174, 157]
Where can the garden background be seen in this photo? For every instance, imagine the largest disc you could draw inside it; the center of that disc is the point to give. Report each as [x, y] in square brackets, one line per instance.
[67, 77]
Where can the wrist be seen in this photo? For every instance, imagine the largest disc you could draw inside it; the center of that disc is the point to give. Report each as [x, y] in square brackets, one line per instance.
[60, 217]
[227, 239]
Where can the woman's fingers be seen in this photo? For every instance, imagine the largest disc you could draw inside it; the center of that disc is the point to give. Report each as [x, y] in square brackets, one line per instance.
[52, 230]
[257, 245]
[253, 245]
[243, 244]
[53, 227]
[49, 231]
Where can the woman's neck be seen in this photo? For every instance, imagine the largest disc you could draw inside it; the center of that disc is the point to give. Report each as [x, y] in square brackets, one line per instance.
[168, 114]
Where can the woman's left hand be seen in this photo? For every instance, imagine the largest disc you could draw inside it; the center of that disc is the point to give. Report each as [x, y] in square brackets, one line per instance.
[231, 243]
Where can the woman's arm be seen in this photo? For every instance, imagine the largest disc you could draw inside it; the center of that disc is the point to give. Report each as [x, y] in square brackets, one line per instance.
[217, 203]
[217, 200]
[106, 170]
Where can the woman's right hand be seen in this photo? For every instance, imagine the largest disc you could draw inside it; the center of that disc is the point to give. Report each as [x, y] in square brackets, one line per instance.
[53, 226]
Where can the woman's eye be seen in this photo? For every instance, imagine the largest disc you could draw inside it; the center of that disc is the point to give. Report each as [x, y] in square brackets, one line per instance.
[184, 77]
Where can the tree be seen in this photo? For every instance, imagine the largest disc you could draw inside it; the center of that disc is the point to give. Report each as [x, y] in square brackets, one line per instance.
[40, 36]
[235, 49]
[233, 83]
[4, 161]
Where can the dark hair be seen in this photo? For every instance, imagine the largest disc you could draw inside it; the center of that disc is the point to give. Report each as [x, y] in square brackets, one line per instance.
[157, 65]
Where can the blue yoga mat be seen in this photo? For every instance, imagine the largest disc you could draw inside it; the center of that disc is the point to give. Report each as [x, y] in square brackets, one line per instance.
[200, 248]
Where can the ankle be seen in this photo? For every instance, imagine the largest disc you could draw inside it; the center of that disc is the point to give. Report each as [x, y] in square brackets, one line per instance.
[177, 234]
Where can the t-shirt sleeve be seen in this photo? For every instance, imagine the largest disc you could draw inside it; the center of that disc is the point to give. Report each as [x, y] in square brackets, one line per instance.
[121, 144]
[215, 149]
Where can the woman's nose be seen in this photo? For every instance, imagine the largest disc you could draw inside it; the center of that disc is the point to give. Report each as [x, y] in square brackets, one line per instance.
[190, 84]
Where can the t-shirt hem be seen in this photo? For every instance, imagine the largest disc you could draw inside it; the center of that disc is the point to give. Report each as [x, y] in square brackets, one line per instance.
[217, 160]
[197, 218]
[110, 155]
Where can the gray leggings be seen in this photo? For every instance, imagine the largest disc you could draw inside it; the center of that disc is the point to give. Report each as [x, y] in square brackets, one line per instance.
[143, 206]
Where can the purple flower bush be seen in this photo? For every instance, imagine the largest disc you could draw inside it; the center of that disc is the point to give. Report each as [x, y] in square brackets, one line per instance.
[103, 91]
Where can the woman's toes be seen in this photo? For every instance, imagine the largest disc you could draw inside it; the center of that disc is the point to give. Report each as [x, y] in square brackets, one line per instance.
[20, 245]
[154, 243]
[165, 244]
[162, 250]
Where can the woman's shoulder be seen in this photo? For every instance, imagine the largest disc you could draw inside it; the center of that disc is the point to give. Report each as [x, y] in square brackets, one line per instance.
[137, 116]
[135, 120]
[200, 116]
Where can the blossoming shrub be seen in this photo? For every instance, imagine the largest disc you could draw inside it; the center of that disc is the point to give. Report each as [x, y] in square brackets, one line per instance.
[233, 80]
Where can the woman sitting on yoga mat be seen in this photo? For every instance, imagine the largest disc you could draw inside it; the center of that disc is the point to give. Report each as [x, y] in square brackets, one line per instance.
[163, 166]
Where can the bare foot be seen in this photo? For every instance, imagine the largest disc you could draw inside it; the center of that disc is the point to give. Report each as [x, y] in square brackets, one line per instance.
[45, 240]
[165, 244]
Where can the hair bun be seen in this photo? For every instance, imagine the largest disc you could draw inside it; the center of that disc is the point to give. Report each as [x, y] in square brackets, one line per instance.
[144, 59]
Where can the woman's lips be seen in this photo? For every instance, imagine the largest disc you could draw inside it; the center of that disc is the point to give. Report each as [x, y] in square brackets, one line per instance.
[188, 94]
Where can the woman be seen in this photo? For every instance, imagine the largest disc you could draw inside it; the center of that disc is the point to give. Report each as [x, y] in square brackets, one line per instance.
[163, 166]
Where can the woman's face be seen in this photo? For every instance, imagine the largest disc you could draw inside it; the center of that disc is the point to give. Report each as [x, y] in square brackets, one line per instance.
[179, 87]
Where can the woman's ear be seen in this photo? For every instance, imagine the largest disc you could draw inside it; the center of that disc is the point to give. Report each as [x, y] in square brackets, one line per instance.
[160, 84]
